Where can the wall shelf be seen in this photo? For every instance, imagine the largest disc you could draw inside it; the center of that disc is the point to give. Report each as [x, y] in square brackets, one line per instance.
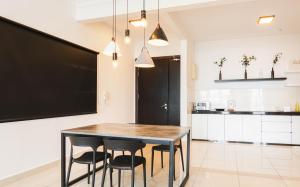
[251, 80]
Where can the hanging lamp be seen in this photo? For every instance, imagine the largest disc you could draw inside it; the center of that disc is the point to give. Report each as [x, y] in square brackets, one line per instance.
[112, 46]
[127, 31]
[142, 22]
[158, 37]
[144, 60]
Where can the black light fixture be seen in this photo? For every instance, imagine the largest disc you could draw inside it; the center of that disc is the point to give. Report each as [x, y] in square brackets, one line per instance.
[158, 37]
[112, 46]
[142, 22]
[115, 53]
[127, 31]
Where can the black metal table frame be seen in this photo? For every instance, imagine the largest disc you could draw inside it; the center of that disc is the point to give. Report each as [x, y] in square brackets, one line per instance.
[147, 141]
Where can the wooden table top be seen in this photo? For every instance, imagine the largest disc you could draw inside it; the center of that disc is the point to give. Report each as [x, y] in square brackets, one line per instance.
[136, 131]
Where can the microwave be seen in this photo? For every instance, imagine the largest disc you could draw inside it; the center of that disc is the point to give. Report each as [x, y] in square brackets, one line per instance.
[202, 106]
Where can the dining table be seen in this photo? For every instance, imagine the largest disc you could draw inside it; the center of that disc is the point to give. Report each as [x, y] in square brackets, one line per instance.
[147, 133]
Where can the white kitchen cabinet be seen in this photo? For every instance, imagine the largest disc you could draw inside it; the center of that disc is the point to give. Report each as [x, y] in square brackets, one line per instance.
[296, 130]
[252, 128]
[199, 126]
[276, 137]
[277, 129]
[215, 124]
[233, 127]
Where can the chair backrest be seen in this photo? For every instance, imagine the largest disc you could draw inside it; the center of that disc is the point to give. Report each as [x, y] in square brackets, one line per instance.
[123, 145]
[86, 141]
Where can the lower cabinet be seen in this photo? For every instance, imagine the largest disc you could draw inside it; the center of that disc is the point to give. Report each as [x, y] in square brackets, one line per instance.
[247, 128]
[252, 128]
[199, 126]
[233, 127]
[215, 126]
[296, 130]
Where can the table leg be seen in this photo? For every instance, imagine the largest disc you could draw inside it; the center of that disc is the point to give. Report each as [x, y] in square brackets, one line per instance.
[188, 148]
[63, 160]
[171, 164]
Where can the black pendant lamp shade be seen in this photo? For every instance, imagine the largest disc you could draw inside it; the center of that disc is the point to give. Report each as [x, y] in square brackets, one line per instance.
[158, 37]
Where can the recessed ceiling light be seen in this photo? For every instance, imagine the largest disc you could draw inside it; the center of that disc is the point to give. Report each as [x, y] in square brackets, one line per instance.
[265, 19]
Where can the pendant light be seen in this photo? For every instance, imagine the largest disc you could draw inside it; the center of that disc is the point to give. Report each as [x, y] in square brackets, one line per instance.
[158, 37]
[112, 46]
[127, 31]
[142, 22]
[144, 60]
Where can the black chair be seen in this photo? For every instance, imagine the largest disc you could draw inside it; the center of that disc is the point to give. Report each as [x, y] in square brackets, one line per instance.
[124, 162]
[88, 158]
[166, 148]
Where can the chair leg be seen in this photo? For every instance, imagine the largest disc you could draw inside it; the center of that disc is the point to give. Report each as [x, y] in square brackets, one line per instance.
[104, 173]
[181, 155]
[142, 154]
[94, 173]
[110, 176]
[174, 169]
[162, 159]
[132, 177]
[89, 169]
[119, 178]
[69, 171]
[152, 162]
[144, 173]
[123, 153]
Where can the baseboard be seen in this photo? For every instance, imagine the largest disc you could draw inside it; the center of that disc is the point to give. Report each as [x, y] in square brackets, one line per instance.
[29, 172]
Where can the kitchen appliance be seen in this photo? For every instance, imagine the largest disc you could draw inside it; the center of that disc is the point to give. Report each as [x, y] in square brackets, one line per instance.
[202, 106]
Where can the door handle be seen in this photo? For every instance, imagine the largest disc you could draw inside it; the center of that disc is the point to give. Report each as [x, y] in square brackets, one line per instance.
[164, 106]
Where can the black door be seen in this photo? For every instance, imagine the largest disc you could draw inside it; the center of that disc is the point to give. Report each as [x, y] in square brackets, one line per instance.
[158, 92]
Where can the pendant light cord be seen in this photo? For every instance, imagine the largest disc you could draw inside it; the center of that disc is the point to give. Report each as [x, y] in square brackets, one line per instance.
[127, 14]
[158, 11]
[115, 24]
[144, 5]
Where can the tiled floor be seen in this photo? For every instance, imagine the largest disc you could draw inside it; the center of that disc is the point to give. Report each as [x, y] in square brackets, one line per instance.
[212, 165]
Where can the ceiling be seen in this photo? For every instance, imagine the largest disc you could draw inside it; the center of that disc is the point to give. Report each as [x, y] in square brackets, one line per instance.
[239, 19]
[223, 21]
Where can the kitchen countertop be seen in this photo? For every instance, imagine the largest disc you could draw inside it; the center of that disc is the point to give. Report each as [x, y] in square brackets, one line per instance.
[247, 112]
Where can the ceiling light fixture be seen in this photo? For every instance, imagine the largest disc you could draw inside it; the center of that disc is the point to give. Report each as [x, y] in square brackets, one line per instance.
[127, 31]
[265, 19]
[142, 22]
[112, 46]
[158, 37]
[144, 60]
[115, 53]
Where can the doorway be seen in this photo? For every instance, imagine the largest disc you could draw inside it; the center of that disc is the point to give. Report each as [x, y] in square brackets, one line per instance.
[158, 92]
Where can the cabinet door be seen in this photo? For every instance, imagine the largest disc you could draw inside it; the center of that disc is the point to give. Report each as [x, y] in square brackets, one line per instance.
[296, 130]
[233, 127]
[252, 128]
[199, 126]
[215, 124]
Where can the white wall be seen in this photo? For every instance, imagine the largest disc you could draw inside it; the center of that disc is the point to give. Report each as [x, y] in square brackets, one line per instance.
[29, 144]
[248, 96]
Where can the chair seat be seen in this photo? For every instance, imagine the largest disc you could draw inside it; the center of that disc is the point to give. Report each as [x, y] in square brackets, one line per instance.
[87, 157]
[165, 148]
[124, 162]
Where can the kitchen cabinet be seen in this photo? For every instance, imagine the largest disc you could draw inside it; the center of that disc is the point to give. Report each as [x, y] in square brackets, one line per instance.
[296, 130]
[215, 127]
[233, 127]
[277, 129]
[257, 128]
[199, 126]
[252, 128]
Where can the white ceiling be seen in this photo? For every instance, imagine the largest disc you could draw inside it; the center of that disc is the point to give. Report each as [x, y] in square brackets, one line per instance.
[234, 19]
[239, 19]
